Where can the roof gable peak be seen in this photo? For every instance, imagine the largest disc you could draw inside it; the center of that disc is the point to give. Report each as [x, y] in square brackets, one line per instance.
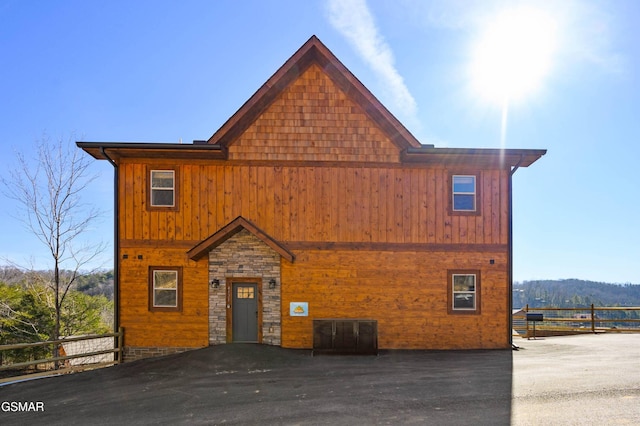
[229, 230]
[312, 51]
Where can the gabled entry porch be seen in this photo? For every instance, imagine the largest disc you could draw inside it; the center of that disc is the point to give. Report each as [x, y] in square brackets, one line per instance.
[245, 278]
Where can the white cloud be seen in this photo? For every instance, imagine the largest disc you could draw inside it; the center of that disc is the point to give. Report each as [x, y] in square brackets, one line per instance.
[354, 21]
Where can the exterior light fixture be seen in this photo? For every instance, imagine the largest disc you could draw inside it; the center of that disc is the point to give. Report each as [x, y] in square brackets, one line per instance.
[272, 283]
[215, 283]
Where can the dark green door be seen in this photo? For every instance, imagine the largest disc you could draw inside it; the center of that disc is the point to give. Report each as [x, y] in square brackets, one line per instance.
[245, 312]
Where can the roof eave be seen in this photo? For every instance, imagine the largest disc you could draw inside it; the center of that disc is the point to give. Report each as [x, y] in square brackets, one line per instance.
[473, 156]
[118, 150]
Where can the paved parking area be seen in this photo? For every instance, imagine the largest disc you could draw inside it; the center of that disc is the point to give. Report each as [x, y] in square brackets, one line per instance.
[577, 380]
[550, 381]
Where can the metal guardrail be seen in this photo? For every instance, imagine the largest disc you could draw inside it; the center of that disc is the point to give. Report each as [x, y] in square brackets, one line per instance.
[116, 351]
[580, 320]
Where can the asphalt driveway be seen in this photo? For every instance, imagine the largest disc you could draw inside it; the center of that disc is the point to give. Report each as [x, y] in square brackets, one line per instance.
[251, 384]
[561, 380]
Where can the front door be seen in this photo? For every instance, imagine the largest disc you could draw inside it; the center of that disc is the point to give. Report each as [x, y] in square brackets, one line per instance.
[245, 312]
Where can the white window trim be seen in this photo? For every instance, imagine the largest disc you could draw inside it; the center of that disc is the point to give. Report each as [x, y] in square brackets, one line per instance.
[155, 271]
[454, 292]
[474, 193]
[173, 188]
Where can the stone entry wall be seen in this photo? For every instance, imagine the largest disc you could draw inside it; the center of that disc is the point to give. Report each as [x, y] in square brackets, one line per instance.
[244, 255]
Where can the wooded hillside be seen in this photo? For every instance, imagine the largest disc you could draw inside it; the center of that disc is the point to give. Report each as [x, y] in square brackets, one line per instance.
[93, 284]
[27, 314]
[574, 293]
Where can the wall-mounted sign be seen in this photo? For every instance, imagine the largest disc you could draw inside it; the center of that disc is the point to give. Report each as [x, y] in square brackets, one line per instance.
[299, 309]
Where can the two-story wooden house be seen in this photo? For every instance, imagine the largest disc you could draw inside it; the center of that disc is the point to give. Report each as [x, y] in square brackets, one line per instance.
[312, 218]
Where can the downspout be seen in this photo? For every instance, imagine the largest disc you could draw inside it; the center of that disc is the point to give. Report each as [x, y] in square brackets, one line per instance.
[510, 244]
[116, 253]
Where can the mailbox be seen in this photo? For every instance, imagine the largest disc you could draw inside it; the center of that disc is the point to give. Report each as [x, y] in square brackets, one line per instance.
[534, 317]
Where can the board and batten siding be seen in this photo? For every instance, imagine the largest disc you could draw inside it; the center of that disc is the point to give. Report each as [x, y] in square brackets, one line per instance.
[372, 236]
[366, 241]
[313, 203]
[404, 291]
[187, 328]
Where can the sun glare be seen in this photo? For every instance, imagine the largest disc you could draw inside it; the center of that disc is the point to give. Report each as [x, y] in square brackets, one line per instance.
[513, 55]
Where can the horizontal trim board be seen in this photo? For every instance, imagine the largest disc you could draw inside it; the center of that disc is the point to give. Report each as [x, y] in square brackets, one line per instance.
[396, 165]
[336, 245]
[399, 247]
[175, 244]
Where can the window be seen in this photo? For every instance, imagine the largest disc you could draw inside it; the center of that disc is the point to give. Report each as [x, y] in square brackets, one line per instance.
[464, 292]
[244, 293]
[464, 193]
[165, 289]
[163, 188]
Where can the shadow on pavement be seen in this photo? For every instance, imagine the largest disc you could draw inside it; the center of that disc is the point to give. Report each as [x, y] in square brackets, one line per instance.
[253, 384]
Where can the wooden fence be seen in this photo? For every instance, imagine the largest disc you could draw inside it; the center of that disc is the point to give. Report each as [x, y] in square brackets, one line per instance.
[591, 319]
[22, 369]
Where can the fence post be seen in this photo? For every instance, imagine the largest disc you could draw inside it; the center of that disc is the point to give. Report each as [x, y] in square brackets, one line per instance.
[526, 309]
[593, 319]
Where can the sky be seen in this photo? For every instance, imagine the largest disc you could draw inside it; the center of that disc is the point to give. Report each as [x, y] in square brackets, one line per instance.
[557, 75]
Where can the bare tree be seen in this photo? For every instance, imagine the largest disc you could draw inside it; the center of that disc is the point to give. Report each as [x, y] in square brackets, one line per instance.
[47, 191]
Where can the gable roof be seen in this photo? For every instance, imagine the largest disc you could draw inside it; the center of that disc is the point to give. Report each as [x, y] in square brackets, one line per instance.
[232, 228]
[313, 51]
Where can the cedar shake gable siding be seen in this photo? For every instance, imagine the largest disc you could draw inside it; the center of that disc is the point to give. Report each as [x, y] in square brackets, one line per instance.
[313, 52]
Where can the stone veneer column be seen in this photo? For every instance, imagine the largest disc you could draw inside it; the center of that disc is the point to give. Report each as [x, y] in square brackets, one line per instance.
[244, 255]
